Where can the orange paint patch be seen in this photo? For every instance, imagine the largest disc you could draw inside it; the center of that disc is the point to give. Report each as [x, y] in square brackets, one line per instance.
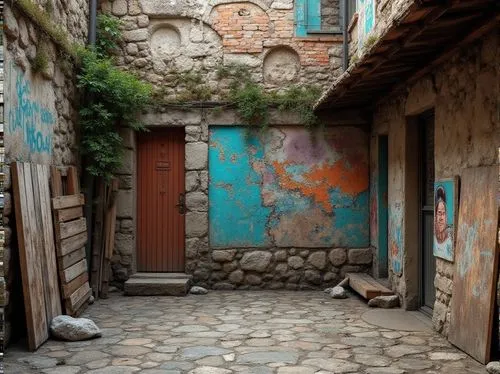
[349, 179]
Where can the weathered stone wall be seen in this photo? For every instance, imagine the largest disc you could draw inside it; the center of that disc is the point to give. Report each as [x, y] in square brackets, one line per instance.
[161, 41]
[290, 267]
[41, 113]
[467, 134]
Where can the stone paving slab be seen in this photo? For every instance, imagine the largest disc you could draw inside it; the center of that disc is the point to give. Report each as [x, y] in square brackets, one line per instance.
[244, 332]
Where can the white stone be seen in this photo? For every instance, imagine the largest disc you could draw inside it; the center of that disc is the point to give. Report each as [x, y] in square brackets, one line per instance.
[119, 7]
[338, 293]
[196, 156]
[135, 35]
[282, 4]
[256, 261]
[74, 329]
[493, 367]
[197, 290]
[196, 224]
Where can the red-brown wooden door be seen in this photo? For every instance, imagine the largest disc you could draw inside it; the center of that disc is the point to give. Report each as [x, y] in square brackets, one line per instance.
[160, 194]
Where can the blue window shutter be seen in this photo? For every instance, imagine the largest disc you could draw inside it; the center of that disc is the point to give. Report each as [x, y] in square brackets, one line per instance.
[301, 17]
[313, 15]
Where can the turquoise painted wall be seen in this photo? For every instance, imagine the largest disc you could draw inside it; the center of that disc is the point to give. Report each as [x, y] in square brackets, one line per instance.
[281, 189]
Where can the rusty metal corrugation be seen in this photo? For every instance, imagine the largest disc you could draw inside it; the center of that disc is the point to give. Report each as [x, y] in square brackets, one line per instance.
[160, 229]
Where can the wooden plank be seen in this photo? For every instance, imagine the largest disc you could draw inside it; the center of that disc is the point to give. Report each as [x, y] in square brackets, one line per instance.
[68, 201]
[67, 275]
[476, 257]
[31, 272]
[71, 244]
[77, 309]
[72, 181]
[95, 278]
[110, 223]
[66, 229]
[75, 284]
[76, 296]
[366, 286]
[49, 267]
[55, 182]
[72, 258]
[63, 215]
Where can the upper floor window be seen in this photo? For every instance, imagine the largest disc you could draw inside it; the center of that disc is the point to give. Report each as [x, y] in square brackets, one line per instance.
[317, 17]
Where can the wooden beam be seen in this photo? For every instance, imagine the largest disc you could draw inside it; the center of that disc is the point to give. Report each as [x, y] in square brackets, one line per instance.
[68, 201]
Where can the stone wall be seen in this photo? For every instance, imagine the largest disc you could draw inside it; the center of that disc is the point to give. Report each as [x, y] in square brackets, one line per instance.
[41, 113]
[272, 266]
[161, 41]
[467, 134]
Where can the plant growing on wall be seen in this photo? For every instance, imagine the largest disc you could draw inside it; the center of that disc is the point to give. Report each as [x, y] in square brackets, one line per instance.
[116, 99]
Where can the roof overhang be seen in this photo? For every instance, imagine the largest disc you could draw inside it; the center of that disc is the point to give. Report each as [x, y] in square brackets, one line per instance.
[423, 36]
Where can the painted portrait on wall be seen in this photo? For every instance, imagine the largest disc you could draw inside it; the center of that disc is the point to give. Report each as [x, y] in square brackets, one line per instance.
[445, 214]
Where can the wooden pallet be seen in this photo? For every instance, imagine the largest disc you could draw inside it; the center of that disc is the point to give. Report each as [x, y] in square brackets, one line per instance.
[366, 286]
[70, 236]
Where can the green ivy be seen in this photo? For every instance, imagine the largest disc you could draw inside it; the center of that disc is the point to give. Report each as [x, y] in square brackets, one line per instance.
[116, 97]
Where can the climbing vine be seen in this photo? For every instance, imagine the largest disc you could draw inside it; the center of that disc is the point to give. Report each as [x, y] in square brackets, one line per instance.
[116, 97]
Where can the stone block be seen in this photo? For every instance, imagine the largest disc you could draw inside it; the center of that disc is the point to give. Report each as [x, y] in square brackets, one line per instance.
[135, 35]
[196, 156]
[197, 201]
[196, 224]
[360, 256]
[127, 164]
[134, 8]
[192, 181]
[253, 279]
[229, 267]
[119, 7]
[125, 182]
[124, 243]
[444, 284]
[256, 261]
[193, 133]
[204, 180]
[196, 246]
[312, 276]
[236, 277]
[143, 21]
[223, 286]
[296, 262]
[124, 204]
[223, 255]
[127, 225]
[317, 259]
[391, 301]
[280, 255]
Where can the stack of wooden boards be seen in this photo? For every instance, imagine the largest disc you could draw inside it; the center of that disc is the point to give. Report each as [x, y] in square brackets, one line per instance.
[104, 237]
[71, 236]
[43, 268]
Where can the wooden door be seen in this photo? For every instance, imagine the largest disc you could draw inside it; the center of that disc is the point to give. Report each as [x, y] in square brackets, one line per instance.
[160, 201]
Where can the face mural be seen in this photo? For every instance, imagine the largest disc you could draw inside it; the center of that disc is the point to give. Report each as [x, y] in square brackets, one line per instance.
[444, 217]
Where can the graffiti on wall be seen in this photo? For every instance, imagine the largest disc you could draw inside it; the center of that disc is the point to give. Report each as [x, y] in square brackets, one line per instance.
[285, 190]
[30, 117]
[396, 236]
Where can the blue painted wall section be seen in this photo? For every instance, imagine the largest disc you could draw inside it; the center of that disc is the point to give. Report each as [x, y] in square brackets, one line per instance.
[281, 189]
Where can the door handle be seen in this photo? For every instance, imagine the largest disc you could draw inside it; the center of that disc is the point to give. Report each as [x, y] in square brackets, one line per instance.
[181, 205]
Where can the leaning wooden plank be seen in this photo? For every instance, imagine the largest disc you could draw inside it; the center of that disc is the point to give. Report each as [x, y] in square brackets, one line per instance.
[55, 182]
[367, 286]
[72, 258]
[29, 258]
[72, 181]
[64, 215]
[474, 281]
[68, 201]
[110, 236]
[77, 309]
[49, 267]
[76, 296]
[71, 244]
[97, 240]
[75, 284]
[67, 275]
[66, 229]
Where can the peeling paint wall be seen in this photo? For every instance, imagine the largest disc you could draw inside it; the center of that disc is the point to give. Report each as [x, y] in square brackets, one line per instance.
[287, 189]
[467, 134]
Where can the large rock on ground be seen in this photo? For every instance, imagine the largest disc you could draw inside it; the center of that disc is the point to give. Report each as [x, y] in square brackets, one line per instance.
[493, 367]
[197, 290]
[74, 329]
[384, 302]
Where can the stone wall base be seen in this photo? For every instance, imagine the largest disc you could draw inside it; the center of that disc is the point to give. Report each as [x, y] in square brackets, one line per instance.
[277, 268]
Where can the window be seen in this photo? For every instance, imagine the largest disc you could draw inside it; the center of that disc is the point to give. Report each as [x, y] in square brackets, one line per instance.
[317, 17]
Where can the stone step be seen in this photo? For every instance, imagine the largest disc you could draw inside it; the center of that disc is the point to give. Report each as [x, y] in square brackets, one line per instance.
[161, 275]
[157, 286]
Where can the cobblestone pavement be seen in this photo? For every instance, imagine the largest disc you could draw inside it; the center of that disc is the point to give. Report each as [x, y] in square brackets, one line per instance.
[242, 332]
